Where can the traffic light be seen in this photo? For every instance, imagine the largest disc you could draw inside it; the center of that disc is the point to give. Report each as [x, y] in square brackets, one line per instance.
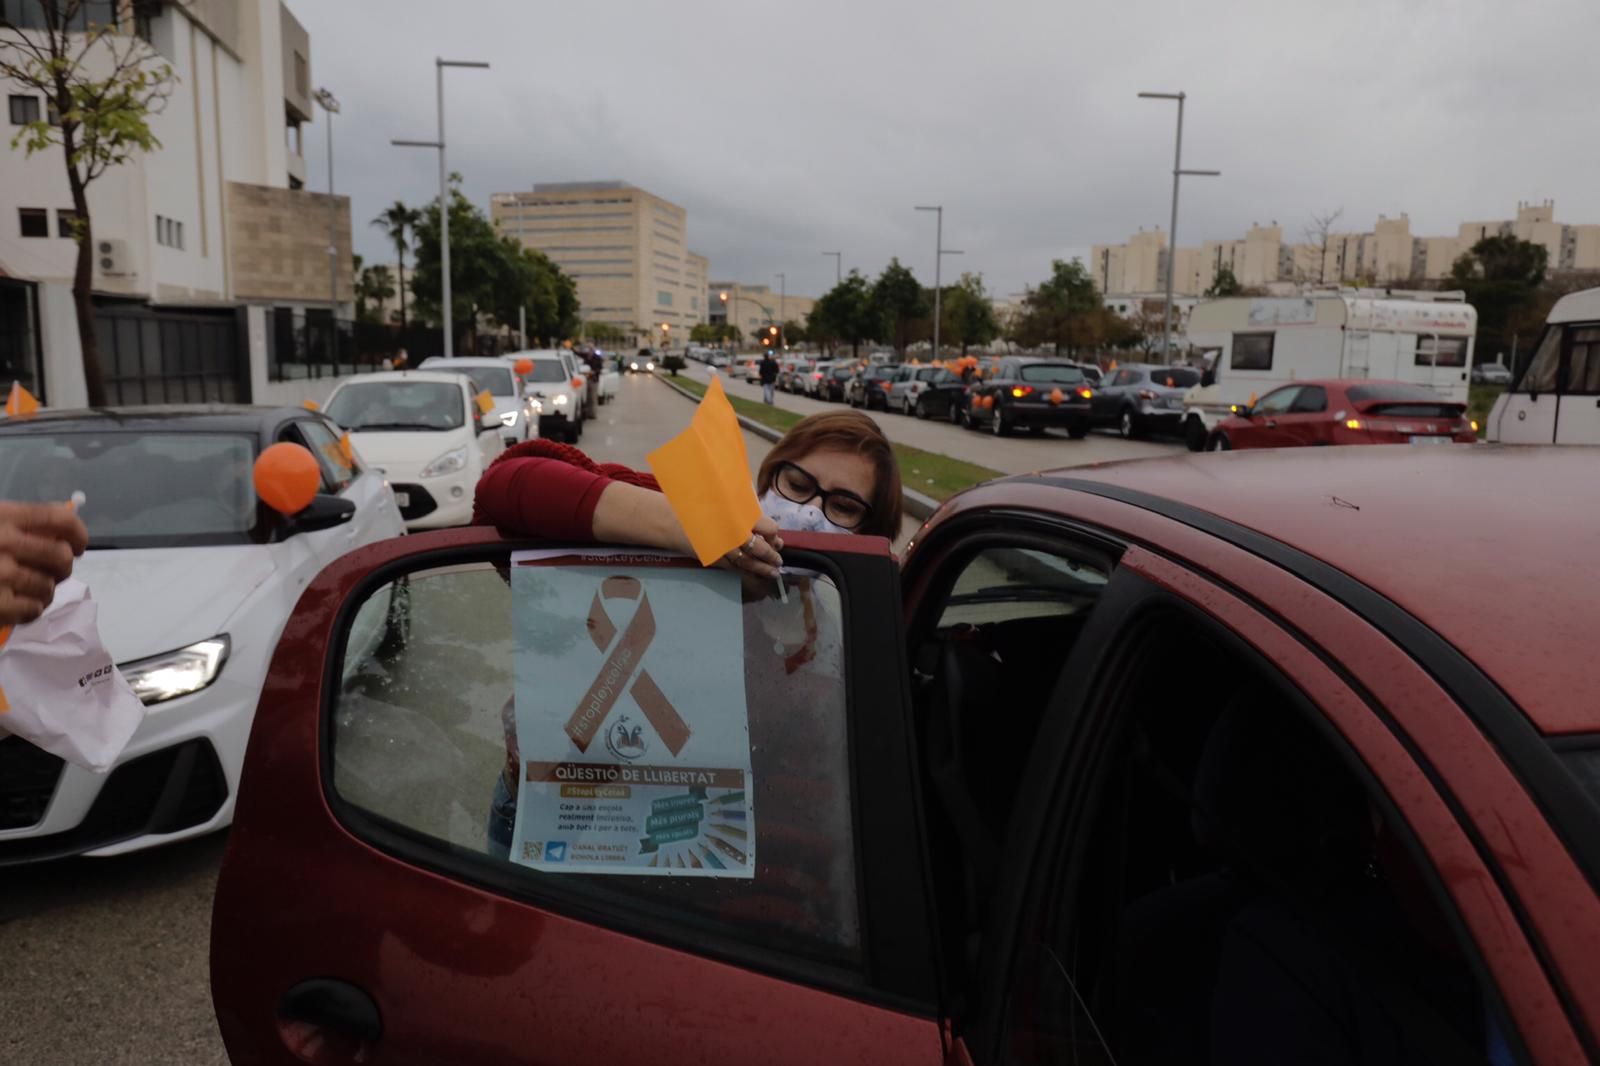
[772, 330]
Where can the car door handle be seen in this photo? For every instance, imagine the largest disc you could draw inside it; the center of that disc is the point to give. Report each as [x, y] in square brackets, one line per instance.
[332, 1007]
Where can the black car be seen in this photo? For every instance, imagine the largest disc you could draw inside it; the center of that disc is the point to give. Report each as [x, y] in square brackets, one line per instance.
[835, 383]
[1033, 393]
[943, 396]
[870, 388]
[1140, 400]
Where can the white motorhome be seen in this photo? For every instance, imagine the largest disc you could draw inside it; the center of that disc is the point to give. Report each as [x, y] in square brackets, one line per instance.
[1556, 398]
[1248, 346]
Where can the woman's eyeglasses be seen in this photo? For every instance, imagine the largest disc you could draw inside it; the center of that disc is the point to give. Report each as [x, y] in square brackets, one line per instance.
[844, 509]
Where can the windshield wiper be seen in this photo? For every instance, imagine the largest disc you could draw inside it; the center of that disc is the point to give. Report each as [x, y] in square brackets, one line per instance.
[389, 425]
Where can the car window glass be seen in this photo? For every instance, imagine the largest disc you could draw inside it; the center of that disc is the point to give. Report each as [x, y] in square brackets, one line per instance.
[1001, 584]
[1252, 351]
[1237, 880]
[337, 470]
[425, 737]
[1312, 399]
[1540, 375]
[546, 372]
[398, 406]
[1051, 372]
[1583, 363]
[1277, 403]
[295, 433]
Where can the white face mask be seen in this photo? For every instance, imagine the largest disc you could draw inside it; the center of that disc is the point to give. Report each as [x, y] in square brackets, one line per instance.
[796, 517]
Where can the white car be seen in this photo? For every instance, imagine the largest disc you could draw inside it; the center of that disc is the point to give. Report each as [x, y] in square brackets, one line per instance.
[557, 401]
[423, 430]
[512, 408]
[194, 580]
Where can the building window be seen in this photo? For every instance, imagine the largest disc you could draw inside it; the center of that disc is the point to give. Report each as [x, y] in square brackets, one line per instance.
[169, 232]
[694, 303]
[33, 221]
[302, 75]
[663, 298]
[66, 222]
[24, 109]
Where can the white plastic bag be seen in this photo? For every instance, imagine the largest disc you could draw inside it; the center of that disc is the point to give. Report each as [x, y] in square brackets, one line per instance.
[63, 690]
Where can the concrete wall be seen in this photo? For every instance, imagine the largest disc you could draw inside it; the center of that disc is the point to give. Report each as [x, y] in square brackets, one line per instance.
[278, 241]
[63, 356]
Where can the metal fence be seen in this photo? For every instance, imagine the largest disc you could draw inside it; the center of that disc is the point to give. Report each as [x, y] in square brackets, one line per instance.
[172, 356]
[313, 344]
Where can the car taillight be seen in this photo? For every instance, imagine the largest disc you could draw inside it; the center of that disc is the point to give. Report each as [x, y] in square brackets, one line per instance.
[1019, 391]
[1147, 394]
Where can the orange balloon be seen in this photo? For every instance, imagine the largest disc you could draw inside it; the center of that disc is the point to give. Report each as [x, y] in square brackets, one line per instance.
[287, 477]
[524, 367]
[988, 402]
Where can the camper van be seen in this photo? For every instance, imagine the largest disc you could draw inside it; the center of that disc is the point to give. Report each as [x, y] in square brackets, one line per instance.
[1247, 346]
[1556, 398]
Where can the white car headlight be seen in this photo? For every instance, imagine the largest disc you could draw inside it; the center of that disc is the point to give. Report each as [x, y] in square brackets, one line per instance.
[649, 366]
[451, 461]
[508, 419]
[561, 401]
[633, 366]
[177, 673]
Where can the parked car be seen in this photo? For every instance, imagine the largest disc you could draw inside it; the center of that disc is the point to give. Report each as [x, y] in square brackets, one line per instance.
[811, 384]
[944, 396]
[643, 362]
[836, 382]
[1491, 374]
[1250, 736]
[424, 432]
[909, 383]
[556, 388]
[1034, 394]
[1091, 372]
[193, 579]
[1357, 411]
[792, 375]
[1141, 400]
[513, 409]
[745, 368]
[870, 388]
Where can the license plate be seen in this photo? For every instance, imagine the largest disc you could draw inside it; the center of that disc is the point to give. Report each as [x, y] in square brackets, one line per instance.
[1431, 440]
[403, 499]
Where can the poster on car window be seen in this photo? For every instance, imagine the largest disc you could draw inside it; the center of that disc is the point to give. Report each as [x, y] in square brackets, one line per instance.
[632, 727]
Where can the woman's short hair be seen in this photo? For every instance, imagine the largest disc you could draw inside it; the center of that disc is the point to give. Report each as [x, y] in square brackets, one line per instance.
[845, 431]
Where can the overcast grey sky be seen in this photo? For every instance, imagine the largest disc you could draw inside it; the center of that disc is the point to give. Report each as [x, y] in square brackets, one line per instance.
[786, 129]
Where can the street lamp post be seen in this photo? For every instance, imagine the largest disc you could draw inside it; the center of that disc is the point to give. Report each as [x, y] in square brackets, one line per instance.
[330, 105]
[444, 198]
[783, 296]
[838, 266]
[939, 252]
[1172, 230]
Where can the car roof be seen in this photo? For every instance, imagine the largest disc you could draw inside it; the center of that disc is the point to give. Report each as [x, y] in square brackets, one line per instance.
[462, 361]
[197, 418]
[1493, 547]
[543, 353]
[442, 377]
[1581, 306]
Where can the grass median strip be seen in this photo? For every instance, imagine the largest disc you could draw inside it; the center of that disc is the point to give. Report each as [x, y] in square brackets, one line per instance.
[930, 473]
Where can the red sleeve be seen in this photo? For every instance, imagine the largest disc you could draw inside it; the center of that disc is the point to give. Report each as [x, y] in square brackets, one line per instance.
[544, 489]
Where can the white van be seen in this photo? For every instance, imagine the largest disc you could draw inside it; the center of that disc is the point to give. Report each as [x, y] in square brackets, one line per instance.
[1248, 346]
[1556, 397]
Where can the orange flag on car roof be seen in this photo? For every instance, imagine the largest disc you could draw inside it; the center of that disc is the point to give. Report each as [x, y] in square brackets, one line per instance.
[21, 403]
[705, 474]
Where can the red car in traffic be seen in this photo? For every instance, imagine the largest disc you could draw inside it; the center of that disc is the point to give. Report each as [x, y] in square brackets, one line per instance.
[1356, 411]
[1275, 757]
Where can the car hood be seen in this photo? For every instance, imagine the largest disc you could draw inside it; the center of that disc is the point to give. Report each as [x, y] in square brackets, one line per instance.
[407, 447]
[154, 600]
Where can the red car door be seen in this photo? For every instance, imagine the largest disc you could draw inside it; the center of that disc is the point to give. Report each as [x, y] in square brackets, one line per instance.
[1264, 428]
[709, 861]
[1307, 421]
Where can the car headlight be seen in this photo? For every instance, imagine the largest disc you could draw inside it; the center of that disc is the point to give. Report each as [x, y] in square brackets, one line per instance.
[561, 401]
[536, 406]
[177, 673]
[451, 461]
[649, 366]
[508, 419]
[633, 366]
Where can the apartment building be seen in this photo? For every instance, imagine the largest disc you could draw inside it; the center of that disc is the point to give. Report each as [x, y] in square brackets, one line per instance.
[215, 220]
[626, 248]
[753, 307]
[1387, 254]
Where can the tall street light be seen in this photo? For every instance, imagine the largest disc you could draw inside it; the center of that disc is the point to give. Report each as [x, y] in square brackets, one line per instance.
[1172, 230]
[939, 252]
[838, 266]
[783, 296]
[330, 105]
[444, 198]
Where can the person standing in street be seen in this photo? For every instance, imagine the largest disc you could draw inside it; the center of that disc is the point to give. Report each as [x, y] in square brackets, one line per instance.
[769, 375]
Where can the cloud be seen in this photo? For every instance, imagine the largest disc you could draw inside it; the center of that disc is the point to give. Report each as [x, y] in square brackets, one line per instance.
[786, 130]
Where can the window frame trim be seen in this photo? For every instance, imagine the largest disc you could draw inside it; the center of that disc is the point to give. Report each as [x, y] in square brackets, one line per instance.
[893, 908]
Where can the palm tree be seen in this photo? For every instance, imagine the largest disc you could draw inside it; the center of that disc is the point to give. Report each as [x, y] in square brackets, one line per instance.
[399, 223]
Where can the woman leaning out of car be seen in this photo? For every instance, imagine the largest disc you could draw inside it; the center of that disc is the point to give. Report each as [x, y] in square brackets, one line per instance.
[831, 473]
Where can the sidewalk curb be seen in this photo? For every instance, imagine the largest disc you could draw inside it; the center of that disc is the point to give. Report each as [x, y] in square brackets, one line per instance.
[916, 504]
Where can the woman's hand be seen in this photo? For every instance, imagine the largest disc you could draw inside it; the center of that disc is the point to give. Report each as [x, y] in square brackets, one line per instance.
[760, 554]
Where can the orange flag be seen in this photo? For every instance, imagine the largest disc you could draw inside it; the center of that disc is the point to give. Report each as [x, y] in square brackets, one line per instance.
[309, 405]
[347, 450]
[705, 474]
[21, 403]
[485, 402]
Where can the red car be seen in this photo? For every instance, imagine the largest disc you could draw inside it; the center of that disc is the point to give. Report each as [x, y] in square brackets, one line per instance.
[1173, 761]
[1358, 411]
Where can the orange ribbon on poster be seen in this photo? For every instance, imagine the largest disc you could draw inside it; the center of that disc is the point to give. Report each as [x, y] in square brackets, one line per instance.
[623, 655]
[705, 475]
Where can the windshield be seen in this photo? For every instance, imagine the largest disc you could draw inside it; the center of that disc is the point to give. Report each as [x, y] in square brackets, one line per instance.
[397, 405]
[1060, 375]
[1391, 394]
[144, 489]
[497, 380]
[547, 372]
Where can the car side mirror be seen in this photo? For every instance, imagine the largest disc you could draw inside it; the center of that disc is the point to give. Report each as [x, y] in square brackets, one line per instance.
[1246, 411]
[325, 511]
